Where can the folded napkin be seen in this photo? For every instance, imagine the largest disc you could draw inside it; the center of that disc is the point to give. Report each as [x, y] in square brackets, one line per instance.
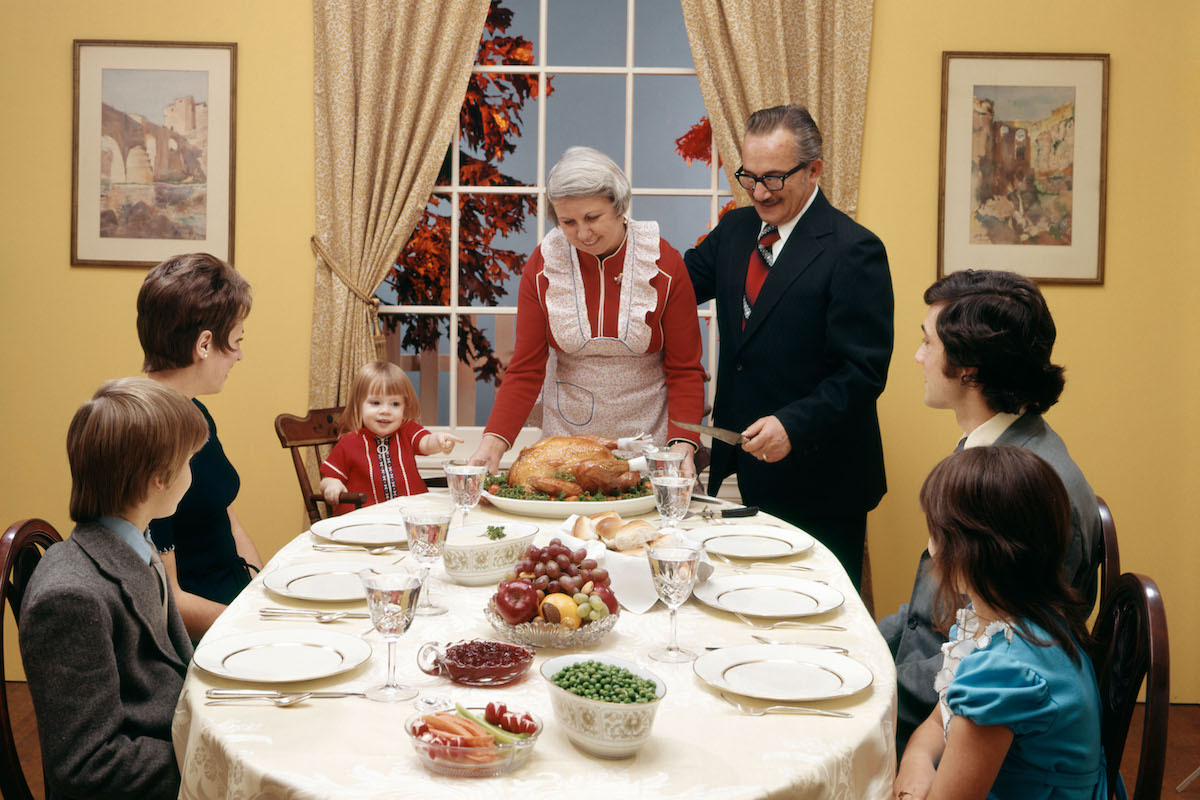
[629, 576]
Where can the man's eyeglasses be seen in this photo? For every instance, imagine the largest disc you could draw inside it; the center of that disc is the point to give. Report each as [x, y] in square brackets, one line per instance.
[774, 183]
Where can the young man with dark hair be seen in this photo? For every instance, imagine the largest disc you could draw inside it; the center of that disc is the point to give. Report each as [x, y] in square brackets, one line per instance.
[985, 352]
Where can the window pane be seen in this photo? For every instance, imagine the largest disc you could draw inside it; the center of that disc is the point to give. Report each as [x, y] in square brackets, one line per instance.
[419, 344]
[510, 33]
[587, 33]
[682, 220]
[664, 108]
[659, 36]
[587, 110]
[498, 130]
[478, 389]
[496, 235]
[421, 275]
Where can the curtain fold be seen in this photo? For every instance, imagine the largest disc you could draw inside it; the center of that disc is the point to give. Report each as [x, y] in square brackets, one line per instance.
[388, 83]
[753, 54]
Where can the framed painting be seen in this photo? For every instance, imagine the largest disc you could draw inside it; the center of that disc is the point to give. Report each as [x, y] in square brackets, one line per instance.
[1023, 161]
[153, 151]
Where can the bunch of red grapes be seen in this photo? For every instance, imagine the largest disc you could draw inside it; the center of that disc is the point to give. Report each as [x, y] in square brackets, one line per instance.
[555, 568]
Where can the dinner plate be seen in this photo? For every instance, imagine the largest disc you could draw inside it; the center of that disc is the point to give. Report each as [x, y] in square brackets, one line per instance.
[787, 672]
[371, 529]
[325, 581]
[281, 656]
[752, 541]
[768, 595]
[560, 509]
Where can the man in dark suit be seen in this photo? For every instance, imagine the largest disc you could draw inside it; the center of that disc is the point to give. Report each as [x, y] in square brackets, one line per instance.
[804, 309]
[985, 353]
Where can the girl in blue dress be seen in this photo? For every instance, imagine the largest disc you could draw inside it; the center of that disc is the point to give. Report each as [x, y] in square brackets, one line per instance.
[1019, 708]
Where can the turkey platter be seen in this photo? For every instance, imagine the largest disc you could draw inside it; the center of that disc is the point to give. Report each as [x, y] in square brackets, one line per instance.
[570, 467]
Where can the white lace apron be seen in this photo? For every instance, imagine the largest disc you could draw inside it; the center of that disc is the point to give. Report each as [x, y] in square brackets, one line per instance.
[608, 385]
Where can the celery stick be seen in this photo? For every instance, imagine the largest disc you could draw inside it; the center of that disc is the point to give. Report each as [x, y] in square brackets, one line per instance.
[499, 734]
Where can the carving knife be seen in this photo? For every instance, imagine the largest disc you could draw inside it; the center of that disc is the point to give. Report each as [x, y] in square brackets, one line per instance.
[724, 434]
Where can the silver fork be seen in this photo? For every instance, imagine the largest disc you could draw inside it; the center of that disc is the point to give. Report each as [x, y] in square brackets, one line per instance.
[832, 647]
[283, 701]
[812, 626]
[743, 568]
[375, 551]
[758, 712]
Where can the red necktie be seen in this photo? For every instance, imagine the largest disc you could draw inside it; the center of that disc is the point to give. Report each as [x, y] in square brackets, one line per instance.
[756, 272]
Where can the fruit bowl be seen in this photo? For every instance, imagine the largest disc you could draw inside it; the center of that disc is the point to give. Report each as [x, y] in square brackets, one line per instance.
[539, 633]
[469, 762]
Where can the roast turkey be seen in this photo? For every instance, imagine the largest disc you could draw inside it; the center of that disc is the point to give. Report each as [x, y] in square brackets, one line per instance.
[542, 467]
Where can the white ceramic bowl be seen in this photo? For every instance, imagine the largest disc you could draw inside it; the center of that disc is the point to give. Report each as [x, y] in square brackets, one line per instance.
[472, 559]
[607, 730]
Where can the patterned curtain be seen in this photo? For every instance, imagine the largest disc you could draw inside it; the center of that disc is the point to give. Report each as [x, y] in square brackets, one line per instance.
[388, 83]
[752, 54]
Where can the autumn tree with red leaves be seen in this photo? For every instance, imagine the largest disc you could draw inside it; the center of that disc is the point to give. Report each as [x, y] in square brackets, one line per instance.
[490, 124]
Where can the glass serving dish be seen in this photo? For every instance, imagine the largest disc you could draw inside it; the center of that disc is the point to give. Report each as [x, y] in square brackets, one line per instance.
[472, 762]
[539, 633]
[476, 663]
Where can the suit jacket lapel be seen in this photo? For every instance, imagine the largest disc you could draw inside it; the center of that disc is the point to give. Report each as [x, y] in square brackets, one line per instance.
[137, 581]
[801, 249]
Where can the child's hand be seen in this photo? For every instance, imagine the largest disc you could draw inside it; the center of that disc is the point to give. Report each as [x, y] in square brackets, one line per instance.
[441, 442]
[332, 488]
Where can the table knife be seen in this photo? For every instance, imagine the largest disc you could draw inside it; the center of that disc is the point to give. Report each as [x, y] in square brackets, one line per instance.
[718, 513]
[724, 434]
[229, 693]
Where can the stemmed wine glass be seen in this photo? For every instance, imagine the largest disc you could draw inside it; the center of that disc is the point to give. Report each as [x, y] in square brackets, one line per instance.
[465, 481]
[672, 493]
[426, 538]
[664, 462]
[673, 565]
[391, 599]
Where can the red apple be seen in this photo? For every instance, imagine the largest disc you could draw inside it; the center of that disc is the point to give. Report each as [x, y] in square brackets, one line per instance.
[606, 594]
[516, 601]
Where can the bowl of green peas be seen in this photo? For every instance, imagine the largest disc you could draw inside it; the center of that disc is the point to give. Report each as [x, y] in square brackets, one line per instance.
[606, 705]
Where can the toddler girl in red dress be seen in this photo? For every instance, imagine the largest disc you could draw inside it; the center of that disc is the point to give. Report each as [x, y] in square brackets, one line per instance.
[376, 454]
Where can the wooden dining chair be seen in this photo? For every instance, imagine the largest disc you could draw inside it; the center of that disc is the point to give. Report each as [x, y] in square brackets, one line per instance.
[1109, 557]
[315, 433]
[20, 551]
[1130, 645]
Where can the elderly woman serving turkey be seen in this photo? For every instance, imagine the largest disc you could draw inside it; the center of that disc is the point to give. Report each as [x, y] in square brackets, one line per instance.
[606, 323]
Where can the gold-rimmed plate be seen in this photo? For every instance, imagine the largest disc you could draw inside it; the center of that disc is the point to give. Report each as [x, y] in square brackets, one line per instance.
[752, 541]
[781, 596]
[785, 672]
[322, 581]
[364, 528]
[282, 656]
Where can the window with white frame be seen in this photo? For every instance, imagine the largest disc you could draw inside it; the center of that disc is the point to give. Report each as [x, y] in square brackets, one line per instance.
[617, 76]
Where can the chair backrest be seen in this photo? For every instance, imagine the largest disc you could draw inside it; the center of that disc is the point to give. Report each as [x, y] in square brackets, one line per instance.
[1110, 554]
[20, 551]
[312, 432]
[1131, 645]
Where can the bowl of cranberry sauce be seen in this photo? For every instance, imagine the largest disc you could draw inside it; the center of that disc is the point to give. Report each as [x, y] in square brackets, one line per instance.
[476, 663]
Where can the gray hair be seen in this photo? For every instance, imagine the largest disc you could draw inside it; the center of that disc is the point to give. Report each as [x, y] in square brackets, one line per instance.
[586, 172]
[791, 118]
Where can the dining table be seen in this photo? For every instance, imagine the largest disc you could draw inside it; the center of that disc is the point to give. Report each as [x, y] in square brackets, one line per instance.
[702, 745]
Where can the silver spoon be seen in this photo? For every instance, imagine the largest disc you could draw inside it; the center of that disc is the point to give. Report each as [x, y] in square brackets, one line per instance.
[283, 701]
[758, 712]
[814, 626]
[742, 568]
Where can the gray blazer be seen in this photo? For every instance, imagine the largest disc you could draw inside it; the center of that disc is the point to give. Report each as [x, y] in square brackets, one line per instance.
[909, 632]
[104, 671]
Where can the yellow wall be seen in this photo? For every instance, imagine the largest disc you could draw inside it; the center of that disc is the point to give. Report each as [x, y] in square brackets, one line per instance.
[1130, 355]
[1130, 347]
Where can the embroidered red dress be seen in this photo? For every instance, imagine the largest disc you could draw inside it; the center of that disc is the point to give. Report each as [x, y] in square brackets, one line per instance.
[612, 347]
[381, 468]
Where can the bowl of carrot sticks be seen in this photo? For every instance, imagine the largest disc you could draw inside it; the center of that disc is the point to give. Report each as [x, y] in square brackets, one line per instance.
[473, 742]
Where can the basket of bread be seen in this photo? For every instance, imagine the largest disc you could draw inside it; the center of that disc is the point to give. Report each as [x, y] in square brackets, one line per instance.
[623, 536]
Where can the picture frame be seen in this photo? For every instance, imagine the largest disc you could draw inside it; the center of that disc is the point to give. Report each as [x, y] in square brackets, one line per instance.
[1023, 164]
[153, 151]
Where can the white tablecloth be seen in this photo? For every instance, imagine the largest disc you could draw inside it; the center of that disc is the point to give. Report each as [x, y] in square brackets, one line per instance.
[701, 747]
